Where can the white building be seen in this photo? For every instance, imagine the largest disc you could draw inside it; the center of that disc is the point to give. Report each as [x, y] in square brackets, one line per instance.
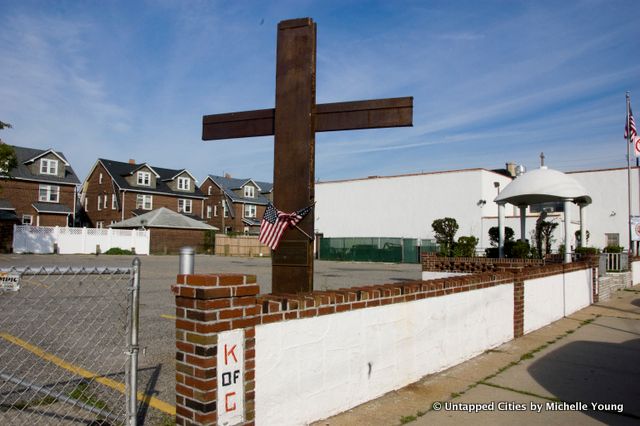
[406, 205]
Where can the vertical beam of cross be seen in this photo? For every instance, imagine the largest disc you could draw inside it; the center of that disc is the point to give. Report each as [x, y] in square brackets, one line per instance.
[294, 151]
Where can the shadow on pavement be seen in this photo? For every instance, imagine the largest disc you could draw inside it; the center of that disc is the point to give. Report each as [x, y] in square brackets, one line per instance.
[593, 372]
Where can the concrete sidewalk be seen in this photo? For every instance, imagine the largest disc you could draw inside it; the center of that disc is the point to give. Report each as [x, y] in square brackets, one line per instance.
[583, 369]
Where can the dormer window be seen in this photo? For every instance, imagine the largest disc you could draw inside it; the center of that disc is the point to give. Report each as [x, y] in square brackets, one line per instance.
[48, 167]
[184, 183]
[144, 178]
[249, 191]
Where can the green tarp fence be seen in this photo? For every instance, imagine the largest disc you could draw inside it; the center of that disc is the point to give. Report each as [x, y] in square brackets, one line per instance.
[392, 250]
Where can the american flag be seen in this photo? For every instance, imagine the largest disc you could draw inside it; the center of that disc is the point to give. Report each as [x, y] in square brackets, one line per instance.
[274, 222]
[630, 132]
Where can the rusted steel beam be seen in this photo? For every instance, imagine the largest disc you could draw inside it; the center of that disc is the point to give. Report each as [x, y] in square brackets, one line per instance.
[370, 114]
[238, 124]
[356, 115]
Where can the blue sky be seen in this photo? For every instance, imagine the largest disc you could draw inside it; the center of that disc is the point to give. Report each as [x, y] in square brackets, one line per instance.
[492, 81]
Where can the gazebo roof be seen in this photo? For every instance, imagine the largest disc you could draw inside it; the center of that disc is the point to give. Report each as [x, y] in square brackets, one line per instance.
[543, 185]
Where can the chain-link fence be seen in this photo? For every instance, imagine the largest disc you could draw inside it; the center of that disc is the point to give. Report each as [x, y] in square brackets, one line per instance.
[68, 345]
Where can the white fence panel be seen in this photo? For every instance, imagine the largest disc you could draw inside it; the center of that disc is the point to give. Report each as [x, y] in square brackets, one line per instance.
[42, 239]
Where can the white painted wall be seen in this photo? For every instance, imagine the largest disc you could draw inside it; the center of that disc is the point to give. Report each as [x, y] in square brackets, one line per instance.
[543, 302]
[405, 206]
[550, 298]
[312, 368]
[608, 190]
[635, 273]
[577, 291]
[434, 275]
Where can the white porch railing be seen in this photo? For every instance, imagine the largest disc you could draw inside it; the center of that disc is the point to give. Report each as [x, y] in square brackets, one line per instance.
[44, 239]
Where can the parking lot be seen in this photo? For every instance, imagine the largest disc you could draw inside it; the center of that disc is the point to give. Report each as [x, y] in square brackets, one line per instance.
[156, 363]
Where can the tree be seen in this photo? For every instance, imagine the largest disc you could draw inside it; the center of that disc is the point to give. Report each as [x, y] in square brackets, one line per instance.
[8, 159]
[444, 231]
[494, 235]
[544, 236]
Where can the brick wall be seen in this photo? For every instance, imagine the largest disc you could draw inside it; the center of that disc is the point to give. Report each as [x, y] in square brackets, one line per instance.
[472, 265]
[22, 194]
[207, 305]
[169, 241]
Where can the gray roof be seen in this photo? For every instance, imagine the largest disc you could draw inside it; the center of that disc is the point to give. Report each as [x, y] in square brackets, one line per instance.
[163, 218]
[252, 221]
[228, 185]
[51, 208]
[6, 205]
[9, 216]
[23, 155]
[119, 170]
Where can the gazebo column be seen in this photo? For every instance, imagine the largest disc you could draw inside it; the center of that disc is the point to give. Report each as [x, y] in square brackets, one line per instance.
[567, 233]
[523, 222]
[583, 226]
[501, 229]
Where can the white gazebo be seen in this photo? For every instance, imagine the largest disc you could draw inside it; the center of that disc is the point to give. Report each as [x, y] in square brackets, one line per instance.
[541, 186]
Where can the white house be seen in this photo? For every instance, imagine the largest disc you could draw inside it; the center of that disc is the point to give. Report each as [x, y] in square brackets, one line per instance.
[406, 205]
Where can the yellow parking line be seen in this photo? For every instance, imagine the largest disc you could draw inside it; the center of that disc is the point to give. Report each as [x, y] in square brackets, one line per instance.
[153, 402]
[170, 317]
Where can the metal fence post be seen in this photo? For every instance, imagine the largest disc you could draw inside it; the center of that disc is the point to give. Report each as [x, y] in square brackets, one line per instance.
[186, 261]
[133, 346]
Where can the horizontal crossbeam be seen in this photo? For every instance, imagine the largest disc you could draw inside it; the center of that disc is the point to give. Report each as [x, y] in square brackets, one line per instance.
[357, 115]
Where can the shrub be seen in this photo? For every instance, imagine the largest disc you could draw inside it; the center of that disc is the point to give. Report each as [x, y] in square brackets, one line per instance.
[465, 247]
[519, 250]
[613, 249]
[587, 250]
[118, 250]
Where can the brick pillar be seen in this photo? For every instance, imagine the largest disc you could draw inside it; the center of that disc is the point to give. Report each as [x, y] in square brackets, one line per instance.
[518, 307]
[207, 305]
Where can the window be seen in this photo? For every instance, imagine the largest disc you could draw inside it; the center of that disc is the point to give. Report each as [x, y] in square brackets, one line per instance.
[249, 191]
[100, 179]
[249, 210]
[184, 206]
[27, 219]
[48, 167]
[612, 239]
[184, 183]
[105, 202]
[144, 202]
[114, 203]
[86, 204]
[99, 224]
[209, 190]
[49, 193]
[215, 211]
[113, 221]
[246, 230]
[144, 178]
[208, 212]
[99, 203]
[225, 212]
[549, 207]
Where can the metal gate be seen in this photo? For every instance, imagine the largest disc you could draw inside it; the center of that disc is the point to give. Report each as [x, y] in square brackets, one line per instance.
[69, 345]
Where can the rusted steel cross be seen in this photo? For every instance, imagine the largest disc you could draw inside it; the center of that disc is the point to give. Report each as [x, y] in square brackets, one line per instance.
[294, 122]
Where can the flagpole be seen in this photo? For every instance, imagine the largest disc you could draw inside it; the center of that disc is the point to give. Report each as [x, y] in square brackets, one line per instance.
[629, 173]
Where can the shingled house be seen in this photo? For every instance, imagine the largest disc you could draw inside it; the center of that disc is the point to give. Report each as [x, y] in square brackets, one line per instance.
[235, 205]
[41, 190]
[114, 191]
